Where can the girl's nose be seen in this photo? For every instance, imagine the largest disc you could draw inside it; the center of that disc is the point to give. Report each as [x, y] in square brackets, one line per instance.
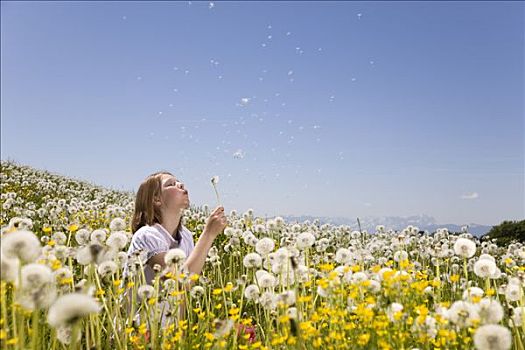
[180, 185]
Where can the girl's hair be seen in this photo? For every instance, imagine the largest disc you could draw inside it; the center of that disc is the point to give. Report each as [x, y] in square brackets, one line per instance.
[146, 212]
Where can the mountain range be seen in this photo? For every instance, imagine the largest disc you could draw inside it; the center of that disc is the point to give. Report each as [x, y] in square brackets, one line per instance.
[397, 223]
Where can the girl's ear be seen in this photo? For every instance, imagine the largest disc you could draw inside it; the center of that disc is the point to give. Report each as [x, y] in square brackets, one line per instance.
[157, 201]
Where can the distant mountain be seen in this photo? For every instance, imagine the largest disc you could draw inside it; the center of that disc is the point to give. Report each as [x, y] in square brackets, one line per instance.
[397, 223]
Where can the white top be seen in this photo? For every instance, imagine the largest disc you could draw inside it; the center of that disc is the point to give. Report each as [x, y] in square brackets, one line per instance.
[155, 239]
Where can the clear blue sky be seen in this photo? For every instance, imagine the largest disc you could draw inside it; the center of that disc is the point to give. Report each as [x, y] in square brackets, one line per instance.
[321, 108]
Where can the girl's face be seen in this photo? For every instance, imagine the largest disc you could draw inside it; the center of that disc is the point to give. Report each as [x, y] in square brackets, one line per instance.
[174, 197]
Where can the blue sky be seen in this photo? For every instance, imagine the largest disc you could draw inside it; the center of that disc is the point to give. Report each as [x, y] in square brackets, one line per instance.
[321, 108]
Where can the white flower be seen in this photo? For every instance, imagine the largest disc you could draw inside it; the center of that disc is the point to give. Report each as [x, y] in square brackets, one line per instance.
[117, 224]
[487, 256]
[343, 256]
[107, 268]
[473, 292]
[69, 308]
[146, 291]
[175, 256]
[292, 312]
[82, 236]
[265, 279]
[9, 268]
[462, 313]
[196, 291]
[287, 297]
[59, 237]
[252, 260]
[117, 240]
[265, 246]
[490, 311]
[35, 276]
[98, 236]
[393, 311]
[305, 240]
[251, 292]
[485, 268]
[64, 334]
[517, 316]
[400, 255]
[23, 245]
[465, 248]
[268, 300]
[492, 337]
[513, 292]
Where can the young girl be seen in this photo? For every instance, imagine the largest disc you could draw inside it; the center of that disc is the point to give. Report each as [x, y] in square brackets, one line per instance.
[157, 228]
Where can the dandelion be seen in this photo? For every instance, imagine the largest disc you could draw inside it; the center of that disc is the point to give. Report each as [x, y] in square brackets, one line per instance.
[145, 292]
[473, 293]
[492, 337]
[462, 313]
[268, 300]
[265, 246]
[9, 268]
[265, 279]
[223, 327]
[98, 236]
[64, 334]
[400, 255]
[252, 260]
[485, 268]
[513, 292]
[107, 268]
[490, 311]
[196, 291]
[465, 248]
[287, 297]
[59, 237]
[70, 308]
[82, 236]
[175, 256]
[305, 240]
[35, 276]
[251, 292]
[343, 256]
[117, 240]
[117, 224]
[214, 182]
[23, 245]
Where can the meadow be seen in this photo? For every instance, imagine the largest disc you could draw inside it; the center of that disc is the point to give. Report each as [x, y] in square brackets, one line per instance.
[267, 283]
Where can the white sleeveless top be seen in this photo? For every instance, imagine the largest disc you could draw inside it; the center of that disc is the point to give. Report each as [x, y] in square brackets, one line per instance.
[155, 239]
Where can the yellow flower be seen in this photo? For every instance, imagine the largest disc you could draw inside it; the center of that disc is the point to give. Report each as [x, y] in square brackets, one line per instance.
[454, 278]
[51, 243]
[363, 339]
[47, 229]
[209, 336]
[217, 291]
[73, 228]
[229, 287]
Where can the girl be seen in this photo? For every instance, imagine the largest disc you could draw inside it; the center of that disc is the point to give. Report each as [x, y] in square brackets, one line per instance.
[156, 224]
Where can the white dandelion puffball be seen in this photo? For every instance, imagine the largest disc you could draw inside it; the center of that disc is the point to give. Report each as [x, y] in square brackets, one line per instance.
[9, 268]
[175, 256]
[69, 308]
[215, 180]
[252, 260]
[117, 224]
[490, 311]
[107, 268]
[35, 276]
[400, 255]
[473, 292]
[23, 245]
[305, 240]
[146, 291]
[492, 337]
[82, 236]
[484, 268]
[343, 256]
[251, 292]
[265, 279]
[197, 291]
[265, 246]
[98, 236]
[117, 240]
[465, 248]
[513, 292]
[463, 313]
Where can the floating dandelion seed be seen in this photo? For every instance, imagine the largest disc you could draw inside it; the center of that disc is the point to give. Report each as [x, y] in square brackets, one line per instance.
[269, 37]
[245, 101]
[214, 182]
[211, 5]
[359, 15]
[239, 154]
[288, 33]
[263, 45]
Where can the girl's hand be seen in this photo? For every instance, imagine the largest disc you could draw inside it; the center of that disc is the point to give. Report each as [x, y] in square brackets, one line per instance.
[216, 222]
